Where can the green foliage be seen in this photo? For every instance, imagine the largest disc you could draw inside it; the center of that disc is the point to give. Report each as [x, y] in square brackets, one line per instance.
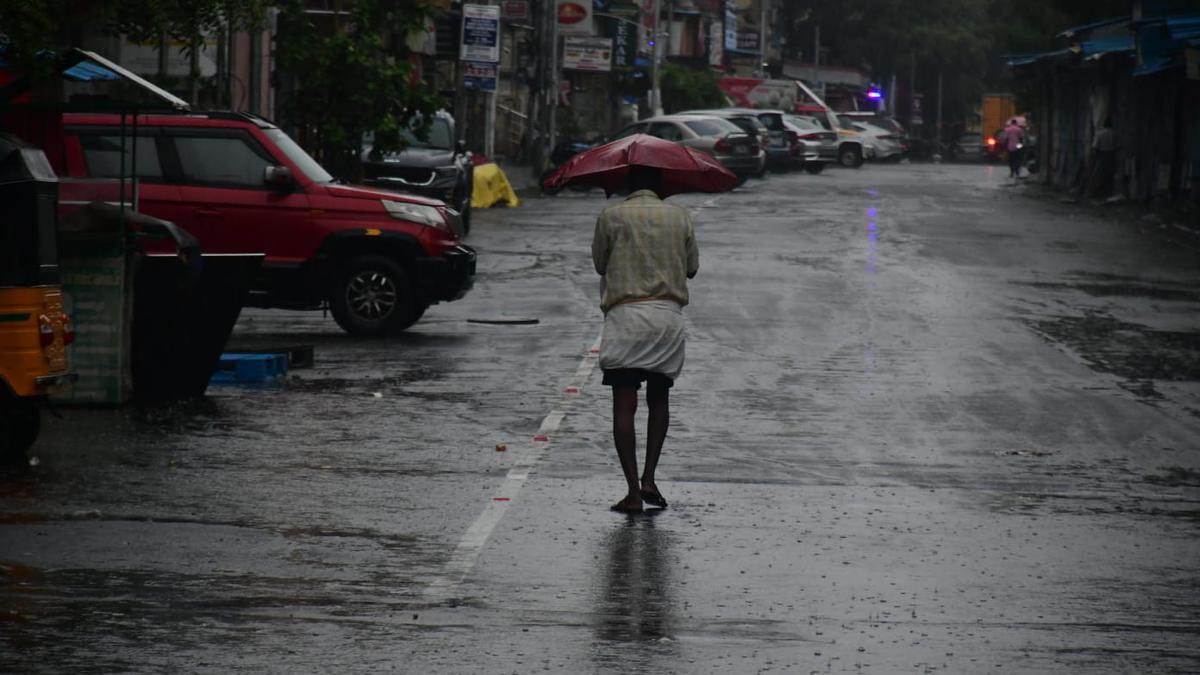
[35, 28]
[347, 82]
[689, 88]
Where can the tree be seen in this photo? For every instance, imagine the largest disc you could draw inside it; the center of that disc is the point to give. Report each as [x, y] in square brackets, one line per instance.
[34, 29]
[346, 81]
[686, 88]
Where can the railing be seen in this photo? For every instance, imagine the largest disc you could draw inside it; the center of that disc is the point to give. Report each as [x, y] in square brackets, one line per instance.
[513, 124]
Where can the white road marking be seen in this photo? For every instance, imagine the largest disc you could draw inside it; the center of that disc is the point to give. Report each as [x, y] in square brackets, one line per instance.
[528, 455]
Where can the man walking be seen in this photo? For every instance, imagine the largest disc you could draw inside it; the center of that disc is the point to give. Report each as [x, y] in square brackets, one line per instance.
[645, 251]
[1105, 146]
[1014, 137]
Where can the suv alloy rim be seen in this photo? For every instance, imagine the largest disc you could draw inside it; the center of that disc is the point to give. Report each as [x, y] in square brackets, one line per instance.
[371, 295]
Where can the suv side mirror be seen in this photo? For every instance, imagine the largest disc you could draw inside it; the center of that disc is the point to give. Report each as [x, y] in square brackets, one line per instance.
[278, 177]
[460, 147]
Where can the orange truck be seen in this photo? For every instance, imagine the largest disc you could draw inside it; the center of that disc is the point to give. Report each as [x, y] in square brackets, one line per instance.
[996, 111]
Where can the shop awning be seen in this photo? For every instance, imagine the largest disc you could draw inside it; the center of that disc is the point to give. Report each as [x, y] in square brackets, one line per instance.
[91, 67]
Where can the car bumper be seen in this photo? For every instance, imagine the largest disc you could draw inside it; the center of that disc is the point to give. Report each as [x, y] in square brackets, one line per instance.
[447, 277]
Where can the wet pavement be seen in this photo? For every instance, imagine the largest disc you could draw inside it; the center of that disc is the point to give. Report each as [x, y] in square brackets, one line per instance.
[930, 422]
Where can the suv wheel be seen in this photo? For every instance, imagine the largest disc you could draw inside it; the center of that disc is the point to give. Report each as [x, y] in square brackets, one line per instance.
[850, 157]
[373, 298]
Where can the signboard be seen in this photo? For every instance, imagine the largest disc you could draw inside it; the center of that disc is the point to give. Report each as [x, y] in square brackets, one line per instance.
[479, 75]
[480, 33]
[731, 25]
[514, 10]
[575, 17]
[624, 44]
[716, 51]
[747, 41]
[594, 54]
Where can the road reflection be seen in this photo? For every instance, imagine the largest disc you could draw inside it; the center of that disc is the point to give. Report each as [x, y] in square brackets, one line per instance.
[634, 603]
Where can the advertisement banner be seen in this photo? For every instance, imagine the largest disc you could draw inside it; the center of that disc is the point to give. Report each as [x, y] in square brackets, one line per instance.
[575, 18]
[625, 43]
[594, 54]
[514, 10]
[480, 33]
[479, 75]
[731, 25]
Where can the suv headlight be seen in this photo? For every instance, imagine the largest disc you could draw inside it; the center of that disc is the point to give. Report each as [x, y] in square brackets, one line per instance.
[416, 213]
[446, 171]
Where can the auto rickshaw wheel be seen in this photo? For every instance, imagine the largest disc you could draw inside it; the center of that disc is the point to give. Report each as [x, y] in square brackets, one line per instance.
[20, 422]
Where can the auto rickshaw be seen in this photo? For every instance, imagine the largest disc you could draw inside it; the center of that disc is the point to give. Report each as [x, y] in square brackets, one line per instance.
[34, 329]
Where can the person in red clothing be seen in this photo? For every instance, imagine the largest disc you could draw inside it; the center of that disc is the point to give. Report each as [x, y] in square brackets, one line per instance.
[1014, 138]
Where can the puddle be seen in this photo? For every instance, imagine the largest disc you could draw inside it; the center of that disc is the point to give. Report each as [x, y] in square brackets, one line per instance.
[1131, 351]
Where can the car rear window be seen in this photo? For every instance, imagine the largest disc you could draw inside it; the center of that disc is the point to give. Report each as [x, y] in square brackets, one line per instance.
[713, 127]
[772, 121]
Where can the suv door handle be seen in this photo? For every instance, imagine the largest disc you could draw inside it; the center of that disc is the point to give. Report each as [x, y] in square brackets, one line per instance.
[207, 212]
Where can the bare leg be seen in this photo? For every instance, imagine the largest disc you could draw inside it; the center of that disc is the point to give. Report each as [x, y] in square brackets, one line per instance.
[658, 400]
[624, 408]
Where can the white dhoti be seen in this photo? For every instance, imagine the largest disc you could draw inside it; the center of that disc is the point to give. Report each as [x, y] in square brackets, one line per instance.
[646, 335]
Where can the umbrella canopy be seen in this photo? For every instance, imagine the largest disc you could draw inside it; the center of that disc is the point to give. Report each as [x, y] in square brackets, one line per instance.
[607, 166]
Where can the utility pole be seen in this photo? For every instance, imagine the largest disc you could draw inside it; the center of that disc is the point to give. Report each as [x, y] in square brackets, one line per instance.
[817, 61]
[762, 38]
[655, 75]
[489, 118]
[938, 137]
[554, 74]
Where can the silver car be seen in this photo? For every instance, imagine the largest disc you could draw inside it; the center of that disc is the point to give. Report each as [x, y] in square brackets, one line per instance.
[737, 150]
[820, 144]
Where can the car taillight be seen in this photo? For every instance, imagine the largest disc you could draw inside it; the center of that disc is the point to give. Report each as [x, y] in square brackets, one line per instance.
[815, 136]
[764, 142]
[721, 145]
[68, 331]
[991, 141]
[45, 331]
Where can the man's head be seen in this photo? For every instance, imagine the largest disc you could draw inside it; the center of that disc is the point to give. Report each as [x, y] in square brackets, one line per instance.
[645, 178]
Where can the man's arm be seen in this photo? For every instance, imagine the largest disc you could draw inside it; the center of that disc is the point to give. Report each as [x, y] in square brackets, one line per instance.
[693, 252]
[600, 249]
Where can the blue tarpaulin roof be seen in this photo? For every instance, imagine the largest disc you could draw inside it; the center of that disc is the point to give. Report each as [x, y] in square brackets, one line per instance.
[86, 71]
[1101, 46]
[1071, 32]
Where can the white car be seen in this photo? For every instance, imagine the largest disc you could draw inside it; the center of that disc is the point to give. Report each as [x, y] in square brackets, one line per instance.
[886, 144]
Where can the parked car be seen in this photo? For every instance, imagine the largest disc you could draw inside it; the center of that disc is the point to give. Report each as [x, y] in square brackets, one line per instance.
[786, 150]
[239, 184]
[883, 121]
[820, 145]
[747, 122]
[885, 145]
[851, 149]
[438, 167]
[737, 150]
[968, 148]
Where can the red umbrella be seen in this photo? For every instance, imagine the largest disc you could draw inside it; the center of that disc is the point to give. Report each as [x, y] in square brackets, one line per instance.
[607, 166]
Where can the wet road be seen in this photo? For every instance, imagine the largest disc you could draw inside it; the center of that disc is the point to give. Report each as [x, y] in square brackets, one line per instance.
[928, 423]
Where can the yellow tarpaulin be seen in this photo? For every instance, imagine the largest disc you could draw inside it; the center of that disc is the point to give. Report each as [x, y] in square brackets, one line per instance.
[492, 188]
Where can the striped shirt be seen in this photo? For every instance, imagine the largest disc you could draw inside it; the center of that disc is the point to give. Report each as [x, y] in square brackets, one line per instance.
[646, 250]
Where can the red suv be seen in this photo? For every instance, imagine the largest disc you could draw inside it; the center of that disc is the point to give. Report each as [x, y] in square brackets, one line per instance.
[240, 185]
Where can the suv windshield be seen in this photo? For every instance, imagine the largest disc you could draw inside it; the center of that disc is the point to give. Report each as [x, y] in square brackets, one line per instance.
[307, 165]
[439, 136]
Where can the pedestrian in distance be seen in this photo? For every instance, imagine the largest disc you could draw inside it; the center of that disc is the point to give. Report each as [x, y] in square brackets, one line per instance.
[1014, 138]
[1104, 144]
[645, 251]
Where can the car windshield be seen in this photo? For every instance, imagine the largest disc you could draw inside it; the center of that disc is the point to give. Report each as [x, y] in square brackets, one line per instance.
[821, 121]
[804, 123]
[845, 123]
[711, 127]
[307, 165]
[439, 136]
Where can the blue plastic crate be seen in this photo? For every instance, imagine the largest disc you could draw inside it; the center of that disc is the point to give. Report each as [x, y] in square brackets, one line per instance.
[245, 368]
